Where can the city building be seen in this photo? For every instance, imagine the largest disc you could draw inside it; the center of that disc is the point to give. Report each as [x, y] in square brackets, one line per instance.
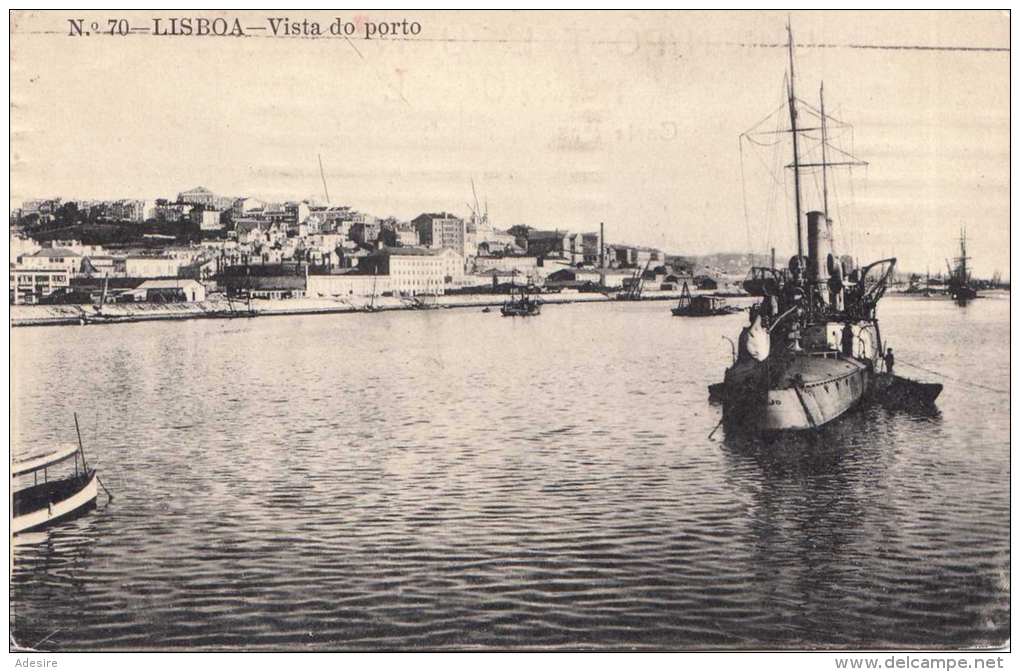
[548, 243]
[172, 212]
[22, 246]
[151, 267]
[197, 196]
[629, 256]
[525, 266]
[51, 259]
[296, 213]
[30, 285]
[98, 266]
[439, 230]
[414, 270]
[169, 291]
[129, 209]
[243, 207]
[406, 235]
[348, 285]
[577, 278]
[331, 217]
[365, 233]
[40, 206]
[590, 249]
[207, 220]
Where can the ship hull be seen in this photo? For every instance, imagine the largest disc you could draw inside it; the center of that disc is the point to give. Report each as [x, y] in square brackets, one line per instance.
[803, 392]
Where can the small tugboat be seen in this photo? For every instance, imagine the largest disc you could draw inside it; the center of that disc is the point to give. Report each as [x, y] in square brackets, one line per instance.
[813, 346]
[44, 503]
[701, 306]
[520, 304]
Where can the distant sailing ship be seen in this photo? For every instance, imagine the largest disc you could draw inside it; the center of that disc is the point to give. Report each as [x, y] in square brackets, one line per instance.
[813, 346]
[960, 282]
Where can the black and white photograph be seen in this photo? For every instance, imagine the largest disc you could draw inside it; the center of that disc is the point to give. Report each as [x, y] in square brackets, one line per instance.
[363, 331]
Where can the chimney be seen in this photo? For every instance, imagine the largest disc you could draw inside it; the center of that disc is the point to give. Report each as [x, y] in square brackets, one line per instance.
[817, 229]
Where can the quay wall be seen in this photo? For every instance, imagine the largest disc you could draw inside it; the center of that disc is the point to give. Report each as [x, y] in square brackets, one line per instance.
[38, 315]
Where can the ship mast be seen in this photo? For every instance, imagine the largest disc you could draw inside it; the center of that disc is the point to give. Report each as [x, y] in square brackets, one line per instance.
[796, 156]
[825, 182]
[963, 256]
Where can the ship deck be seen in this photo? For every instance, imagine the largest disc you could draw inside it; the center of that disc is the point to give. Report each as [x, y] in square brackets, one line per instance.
[821, 368]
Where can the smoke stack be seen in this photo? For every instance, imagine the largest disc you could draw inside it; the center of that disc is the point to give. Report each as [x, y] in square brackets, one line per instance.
[817, 229]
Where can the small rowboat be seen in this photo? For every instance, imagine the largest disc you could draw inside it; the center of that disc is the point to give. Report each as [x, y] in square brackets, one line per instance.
[49, 500]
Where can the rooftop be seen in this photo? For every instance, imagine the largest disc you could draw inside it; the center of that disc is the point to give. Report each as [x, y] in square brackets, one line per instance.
[55, 252]
[167, 284]
[437, 215]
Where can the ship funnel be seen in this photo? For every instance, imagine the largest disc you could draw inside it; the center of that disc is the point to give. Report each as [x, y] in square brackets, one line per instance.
[817, 232]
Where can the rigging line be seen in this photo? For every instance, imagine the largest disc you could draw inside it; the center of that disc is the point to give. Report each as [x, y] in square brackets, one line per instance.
[818, 113]
[958, 380]
[834, 217]
[766, 118]
[751, 139]
[852, 216]
[843, 152]
[834, 198]
[768, 170]
[770, 202]
[777, 188]
[743, 191]
[786, 199]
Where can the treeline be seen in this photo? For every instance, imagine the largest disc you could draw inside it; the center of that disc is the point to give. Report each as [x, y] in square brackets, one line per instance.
[69, 223]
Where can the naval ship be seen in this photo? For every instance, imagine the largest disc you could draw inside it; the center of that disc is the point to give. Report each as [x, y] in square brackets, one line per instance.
[813, 348]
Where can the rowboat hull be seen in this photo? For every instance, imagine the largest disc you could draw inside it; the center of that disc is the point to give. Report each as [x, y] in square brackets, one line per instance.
[35, 509]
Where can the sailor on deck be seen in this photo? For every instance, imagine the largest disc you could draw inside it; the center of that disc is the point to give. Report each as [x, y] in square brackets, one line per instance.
[848, 340]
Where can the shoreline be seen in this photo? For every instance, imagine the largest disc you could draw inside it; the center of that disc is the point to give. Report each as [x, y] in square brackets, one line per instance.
[72, 314]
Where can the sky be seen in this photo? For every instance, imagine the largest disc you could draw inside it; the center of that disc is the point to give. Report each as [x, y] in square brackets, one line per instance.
[563, 120]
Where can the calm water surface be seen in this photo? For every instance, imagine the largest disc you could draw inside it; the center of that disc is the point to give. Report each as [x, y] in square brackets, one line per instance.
[454, 479]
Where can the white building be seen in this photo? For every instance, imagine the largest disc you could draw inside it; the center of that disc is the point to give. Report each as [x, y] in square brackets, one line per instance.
[166, 291]
[51, 258]
[207, 220]
[414, 270]
[244, 206]
[29, 285]
[152, 267]
[23, 247]
[348, 285]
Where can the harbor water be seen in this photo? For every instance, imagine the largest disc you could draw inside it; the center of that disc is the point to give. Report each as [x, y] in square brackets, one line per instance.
[452, 479]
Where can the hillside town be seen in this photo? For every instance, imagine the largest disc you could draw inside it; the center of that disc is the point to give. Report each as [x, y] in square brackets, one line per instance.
[200, 244]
